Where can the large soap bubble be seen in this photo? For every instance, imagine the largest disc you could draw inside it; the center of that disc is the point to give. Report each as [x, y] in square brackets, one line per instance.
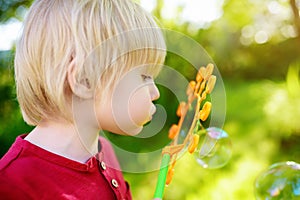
[281, 181]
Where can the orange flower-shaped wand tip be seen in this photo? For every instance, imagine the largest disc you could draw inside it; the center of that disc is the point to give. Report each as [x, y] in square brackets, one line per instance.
[211, 84]
[205, 111]
[170, 175]
[209, 69]
[202, 72]
[193, 145]
[181, 109]
[191, 88]
[173, 131]
[199, 77]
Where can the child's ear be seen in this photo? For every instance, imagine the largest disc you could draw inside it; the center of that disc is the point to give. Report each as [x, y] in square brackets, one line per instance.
[81, 89]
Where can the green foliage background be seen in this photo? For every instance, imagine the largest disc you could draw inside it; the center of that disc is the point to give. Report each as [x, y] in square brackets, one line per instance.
[263, 98]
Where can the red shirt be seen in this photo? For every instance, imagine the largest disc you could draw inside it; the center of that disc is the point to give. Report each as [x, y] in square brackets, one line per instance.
[30, 172]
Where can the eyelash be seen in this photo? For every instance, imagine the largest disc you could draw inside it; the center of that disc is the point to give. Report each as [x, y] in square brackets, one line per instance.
[146, 77]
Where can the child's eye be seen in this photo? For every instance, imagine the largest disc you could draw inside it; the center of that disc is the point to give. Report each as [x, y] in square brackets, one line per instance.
[146, 77]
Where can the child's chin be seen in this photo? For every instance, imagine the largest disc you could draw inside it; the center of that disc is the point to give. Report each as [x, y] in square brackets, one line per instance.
[136, 131]
[132, 132]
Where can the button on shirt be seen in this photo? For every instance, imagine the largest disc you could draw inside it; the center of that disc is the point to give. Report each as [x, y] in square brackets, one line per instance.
[30, 172]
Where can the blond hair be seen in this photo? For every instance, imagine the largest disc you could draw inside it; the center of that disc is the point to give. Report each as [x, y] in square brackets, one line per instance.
[104, 37]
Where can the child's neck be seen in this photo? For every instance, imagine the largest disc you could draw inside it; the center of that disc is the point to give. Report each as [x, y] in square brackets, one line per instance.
[63, 139]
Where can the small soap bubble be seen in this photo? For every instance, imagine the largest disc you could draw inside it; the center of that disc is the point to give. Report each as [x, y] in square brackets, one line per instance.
[281, 181]
[214, 149]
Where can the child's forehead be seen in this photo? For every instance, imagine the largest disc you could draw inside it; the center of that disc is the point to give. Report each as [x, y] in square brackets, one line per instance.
[145, 69]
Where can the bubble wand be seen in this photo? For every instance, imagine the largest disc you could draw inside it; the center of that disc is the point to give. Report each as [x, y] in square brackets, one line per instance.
[197, 91]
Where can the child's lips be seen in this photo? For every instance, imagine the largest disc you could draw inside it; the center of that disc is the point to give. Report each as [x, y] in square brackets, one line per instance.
[152, 111]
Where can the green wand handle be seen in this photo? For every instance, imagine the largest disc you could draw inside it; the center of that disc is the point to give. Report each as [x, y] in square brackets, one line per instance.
[162, 176]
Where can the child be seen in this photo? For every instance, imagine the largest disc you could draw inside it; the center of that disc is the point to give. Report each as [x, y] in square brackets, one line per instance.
[81, 66]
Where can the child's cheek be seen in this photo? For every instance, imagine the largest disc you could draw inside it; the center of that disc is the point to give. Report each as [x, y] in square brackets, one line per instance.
[140, 107]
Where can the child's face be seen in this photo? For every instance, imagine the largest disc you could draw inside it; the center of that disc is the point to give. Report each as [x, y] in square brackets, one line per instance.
[130, 106]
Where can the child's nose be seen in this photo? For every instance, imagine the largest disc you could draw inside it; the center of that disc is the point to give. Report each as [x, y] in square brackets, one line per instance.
[154, 92]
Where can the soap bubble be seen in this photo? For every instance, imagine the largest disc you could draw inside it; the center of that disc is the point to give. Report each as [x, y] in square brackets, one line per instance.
[214, 149]
[279, 181]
